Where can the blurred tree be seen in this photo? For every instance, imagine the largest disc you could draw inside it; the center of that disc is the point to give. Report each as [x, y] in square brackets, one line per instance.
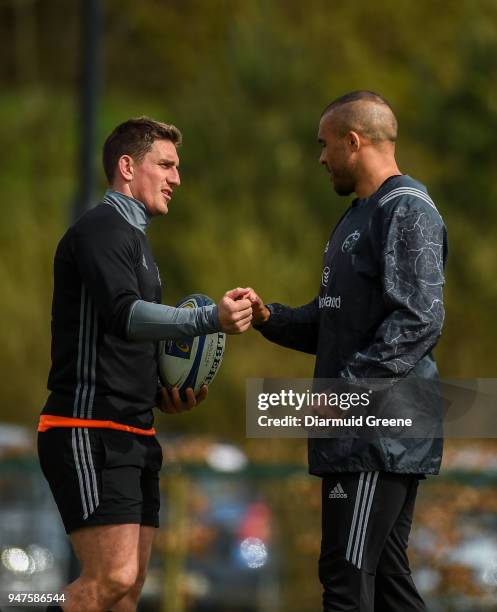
[246, 82]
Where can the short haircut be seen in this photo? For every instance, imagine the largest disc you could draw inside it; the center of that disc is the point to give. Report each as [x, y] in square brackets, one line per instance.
[135, 138]
[364, 112]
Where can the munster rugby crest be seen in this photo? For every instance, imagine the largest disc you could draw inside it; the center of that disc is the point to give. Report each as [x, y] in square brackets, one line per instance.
[349, 242]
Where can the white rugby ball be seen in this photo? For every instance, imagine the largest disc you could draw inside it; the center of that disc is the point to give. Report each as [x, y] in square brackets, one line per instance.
[192, 362]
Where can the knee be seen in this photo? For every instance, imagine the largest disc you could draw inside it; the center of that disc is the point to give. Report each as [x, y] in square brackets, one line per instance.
[137, 586]
[119, 582]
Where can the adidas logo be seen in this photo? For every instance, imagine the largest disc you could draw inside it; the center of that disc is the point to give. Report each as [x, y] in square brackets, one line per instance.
[337, 492]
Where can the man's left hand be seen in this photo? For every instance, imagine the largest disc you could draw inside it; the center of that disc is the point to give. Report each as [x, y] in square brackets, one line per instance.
[170, 400]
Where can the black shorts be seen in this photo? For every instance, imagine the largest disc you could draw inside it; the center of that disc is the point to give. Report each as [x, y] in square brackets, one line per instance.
[102, 476]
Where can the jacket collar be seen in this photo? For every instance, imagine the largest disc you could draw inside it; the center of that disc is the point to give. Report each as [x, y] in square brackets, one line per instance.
[132, 210]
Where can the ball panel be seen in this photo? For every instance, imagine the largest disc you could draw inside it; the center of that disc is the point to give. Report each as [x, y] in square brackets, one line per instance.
[212, 356]
[192, 375]
[191, 362]
[175, 359]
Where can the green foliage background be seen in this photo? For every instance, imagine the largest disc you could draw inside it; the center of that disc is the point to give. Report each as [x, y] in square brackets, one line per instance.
[246, 81]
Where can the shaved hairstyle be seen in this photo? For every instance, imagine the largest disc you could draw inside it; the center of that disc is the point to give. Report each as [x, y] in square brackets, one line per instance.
[364, 112]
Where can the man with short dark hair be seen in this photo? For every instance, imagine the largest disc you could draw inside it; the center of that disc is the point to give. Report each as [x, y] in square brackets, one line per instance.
[378, 314]
[96, 442]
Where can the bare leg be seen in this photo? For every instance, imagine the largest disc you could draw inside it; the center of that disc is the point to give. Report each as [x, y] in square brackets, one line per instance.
[129, 602]
[109, 557]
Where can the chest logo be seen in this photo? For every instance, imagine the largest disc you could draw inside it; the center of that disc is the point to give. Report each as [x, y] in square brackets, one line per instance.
[144, 262]
[349, 242]
[325, 276]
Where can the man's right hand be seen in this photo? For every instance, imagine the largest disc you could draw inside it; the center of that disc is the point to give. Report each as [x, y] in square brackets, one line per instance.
[260, 312]
[235, 311]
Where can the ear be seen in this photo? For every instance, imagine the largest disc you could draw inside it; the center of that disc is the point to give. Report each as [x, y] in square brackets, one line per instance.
[354, 141]
[125, 167]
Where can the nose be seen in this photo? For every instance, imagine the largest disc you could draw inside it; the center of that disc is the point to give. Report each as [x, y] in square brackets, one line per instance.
[322, 158]
[174, 178]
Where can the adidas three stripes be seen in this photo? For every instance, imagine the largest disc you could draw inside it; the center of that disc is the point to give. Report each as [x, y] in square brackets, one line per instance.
[363, 565]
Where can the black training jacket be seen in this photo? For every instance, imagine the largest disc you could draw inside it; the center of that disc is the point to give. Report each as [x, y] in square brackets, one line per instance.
[378, 314]
[102, 265]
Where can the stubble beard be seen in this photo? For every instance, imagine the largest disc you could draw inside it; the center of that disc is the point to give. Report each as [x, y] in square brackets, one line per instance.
[344, 187]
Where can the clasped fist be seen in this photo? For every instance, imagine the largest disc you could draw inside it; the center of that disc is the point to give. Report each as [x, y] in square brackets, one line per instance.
[239, 308]
[235, 311]
[260, 312]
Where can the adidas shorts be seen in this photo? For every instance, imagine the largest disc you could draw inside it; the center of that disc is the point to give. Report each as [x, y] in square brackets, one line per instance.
[366, 521]
[102, 476]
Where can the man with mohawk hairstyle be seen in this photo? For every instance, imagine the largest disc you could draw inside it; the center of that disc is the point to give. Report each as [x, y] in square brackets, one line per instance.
[378, 315]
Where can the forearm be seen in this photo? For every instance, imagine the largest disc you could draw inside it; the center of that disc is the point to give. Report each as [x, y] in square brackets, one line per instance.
[149, 321]
[400, 342]
[295, 328]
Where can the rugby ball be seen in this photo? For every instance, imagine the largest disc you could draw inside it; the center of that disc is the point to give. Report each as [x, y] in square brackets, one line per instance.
[191, 362]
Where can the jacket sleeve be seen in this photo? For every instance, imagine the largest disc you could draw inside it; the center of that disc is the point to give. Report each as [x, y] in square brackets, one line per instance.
[413, 254]
[106, 261]
[295, 328]
[149, 321]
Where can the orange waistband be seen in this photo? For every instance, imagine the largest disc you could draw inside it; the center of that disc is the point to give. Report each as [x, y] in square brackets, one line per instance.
[47, 421]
